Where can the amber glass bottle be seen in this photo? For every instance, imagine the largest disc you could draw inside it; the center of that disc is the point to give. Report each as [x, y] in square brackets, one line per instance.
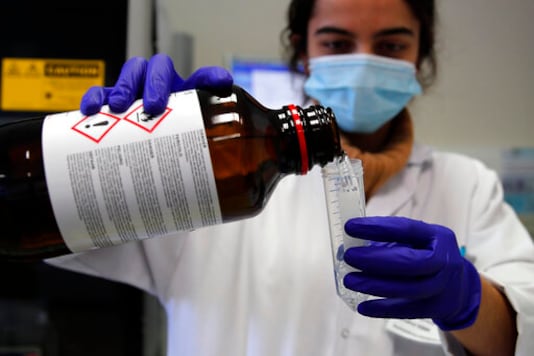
[109, 192]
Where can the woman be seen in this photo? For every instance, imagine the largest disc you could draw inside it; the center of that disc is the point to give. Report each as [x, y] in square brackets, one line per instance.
[264, 286]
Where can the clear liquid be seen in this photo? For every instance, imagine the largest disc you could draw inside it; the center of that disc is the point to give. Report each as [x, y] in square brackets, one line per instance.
[345, 198]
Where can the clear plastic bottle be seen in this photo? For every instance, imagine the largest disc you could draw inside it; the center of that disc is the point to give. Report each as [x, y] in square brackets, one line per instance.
[345, 199]
[70, 182]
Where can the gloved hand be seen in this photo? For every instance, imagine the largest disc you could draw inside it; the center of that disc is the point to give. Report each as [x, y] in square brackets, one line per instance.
[418, 270]
[153, 80]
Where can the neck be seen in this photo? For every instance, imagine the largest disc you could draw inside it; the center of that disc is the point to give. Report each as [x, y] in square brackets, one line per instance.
[383, 153]
[373, 142]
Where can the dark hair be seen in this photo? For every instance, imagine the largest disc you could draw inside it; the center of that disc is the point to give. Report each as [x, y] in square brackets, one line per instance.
[294, 36]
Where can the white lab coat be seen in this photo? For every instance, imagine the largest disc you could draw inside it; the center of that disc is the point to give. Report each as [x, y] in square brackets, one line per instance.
[265, 286]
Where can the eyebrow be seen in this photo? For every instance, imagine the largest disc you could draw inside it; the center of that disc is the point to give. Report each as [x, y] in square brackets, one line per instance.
[395, 31]
[333, 30]
[386, 32]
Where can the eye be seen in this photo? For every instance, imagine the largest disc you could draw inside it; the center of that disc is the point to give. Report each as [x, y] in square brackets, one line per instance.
[336, 46]
[393, 49]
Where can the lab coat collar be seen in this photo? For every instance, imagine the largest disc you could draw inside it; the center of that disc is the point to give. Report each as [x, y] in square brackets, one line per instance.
[399, 190]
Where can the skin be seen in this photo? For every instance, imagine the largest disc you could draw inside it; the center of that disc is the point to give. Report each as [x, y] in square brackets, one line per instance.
[388, 28]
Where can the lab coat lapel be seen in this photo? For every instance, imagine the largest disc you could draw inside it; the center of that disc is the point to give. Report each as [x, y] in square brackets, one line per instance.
[398, 192]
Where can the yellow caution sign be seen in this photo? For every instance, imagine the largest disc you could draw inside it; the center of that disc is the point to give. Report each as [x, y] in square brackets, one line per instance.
[30, 84]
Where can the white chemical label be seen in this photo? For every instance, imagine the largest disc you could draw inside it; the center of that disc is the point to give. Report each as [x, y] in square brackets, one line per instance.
[114, 178]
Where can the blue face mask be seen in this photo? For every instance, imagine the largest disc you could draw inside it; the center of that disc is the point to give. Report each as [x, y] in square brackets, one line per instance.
[364, 91]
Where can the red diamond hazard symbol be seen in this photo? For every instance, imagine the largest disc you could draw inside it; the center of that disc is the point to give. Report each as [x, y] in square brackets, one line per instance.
[95, 127]
[147, 122]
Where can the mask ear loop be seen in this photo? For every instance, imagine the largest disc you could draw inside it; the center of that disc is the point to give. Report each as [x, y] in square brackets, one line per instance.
[424, 77]
[305, 63]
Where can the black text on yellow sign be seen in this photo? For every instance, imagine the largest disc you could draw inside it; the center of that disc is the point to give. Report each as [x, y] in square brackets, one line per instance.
[30, 84]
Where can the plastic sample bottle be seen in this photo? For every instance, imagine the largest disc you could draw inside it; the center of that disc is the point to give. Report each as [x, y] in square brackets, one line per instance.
[70, 183]
[345, 199]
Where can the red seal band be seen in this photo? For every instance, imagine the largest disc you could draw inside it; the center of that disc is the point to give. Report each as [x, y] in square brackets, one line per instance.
[302, 139]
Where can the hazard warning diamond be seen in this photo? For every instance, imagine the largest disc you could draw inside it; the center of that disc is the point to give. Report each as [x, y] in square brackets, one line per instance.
[95, 127]
[147, 122]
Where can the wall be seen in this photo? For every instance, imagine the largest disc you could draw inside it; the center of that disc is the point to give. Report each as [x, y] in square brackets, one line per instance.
[482, 101]
[225, 27]
[484, 95]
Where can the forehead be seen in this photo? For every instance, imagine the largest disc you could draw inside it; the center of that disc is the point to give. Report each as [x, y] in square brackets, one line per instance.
[362, 16]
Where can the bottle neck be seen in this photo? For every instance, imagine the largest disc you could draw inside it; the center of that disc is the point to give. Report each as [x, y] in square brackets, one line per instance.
[312, 137]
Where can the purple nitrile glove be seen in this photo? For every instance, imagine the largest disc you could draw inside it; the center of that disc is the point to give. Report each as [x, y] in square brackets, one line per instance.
[153, 80]
[418, 270]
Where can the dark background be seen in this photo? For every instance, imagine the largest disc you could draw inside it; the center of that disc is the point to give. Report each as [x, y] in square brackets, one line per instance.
[65, 29]
[43, 308]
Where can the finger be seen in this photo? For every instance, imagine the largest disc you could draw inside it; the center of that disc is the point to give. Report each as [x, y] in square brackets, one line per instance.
[161, 80]
[391, 229]
[398, 308]
[94, 99]
[394, 287]
[215, 79]
[128, 86]
[395, 260]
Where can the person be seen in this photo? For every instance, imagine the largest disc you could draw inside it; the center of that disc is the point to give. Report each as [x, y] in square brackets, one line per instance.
[264, 285]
